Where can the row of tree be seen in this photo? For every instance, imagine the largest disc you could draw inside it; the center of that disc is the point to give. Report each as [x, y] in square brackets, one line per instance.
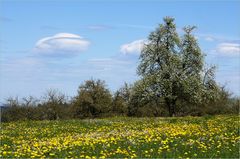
[94, 100]
[173, 82]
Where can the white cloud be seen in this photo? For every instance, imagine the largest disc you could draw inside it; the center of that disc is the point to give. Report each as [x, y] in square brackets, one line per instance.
[61, 44]
[209, 38]
[134, 26]
[218, 38]
[134, 47]
[229, 49]
[98, 27]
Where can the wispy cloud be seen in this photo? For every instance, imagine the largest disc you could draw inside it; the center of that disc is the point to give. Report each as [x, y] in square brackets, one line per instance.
[135, 26]
[209, 38]
[230, 78]
[49, 27]
[228, 49]
[61, 45]
[99, 27]
[217, 38]
[134, 47]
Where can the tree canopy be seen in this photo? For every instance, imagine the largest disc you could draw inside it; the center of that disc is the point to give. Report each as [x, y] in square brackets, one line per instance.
[93, 99]
[172, 68]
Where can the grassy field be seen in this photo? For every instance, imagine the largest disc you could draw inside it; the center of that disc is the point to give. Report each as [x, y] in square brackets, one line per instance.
[186, 137]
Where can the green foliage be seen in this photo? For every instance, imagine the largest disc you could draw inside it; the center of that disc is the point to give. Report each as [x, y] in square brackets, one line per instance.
[121, 100]
[143, 102]
[171, 69]
[54, 105]
[93, 99]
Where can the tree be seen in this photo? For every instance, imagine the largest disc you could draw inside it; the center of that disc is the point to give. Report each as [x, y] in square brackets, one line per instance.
[54, 105]
[121, 100]
[172, 68]
[143, 102]
[93, 99]
[29, 105]
[13, 111]
[159, 63]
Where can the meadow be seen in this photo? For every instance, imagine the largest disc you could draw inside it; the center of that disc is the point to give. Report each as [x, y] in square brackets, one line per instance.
[123, 137]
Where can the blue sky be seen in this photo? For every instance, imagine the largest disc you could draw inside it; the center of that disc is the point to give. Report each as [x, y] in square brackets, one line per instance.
[59, 44]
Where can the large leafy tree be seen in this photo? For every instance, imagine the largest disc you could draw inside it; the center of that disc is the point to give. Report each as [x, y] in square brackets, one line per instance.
[172, 68]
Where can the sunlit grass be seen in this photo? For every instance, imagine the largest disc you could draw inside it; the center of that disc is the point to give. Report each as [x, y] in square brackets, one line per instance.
[194, 137]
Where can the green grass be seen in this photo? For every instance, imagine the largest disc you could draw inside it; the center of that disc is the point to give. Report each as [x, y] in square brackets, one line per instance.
[120, 137]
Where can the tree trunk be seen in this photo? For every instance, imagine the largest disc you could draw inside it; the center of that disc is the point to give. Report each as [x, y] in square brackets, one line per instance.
[171, 104]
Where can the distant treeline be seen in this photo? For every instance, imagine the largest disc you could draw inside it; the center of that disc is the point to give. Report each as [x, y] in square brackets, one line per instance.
[94, 100]
[174, 81]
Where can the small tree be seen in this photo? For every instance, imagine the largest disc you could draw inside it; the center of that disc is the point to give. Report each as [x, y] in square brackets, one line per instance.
[29, 105]
[13, 111]
[93, 99]
[121, 100]
[54, 105]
